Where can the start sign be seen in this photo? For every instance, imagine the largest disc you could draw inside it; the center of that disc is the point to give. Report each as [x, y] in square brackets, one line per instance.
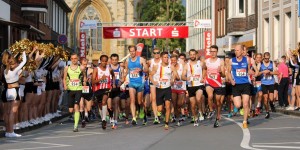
[82, 45]
[146, 32]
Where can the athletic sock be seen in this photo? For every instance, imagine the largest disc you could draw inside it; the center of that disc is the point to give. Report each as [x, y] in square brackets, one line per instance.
[258, 104]
[82, 116]
[104, 109]
[111, 113]
[86, 114]
[76, 119]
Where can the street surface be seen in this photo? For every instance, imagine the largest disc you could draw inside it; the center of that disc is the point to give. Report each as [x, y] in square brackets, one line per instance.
[279, 132]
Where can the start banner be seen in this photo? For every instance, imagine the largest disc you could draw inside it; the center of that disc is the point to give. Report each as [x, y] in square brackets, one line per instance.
[146, 32]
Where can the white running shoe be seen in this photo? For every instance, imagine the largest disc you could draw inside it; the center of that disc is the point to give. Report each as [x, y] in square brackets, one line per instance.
[201, 117]
[29, 124]
[12, 135]
[290, 108]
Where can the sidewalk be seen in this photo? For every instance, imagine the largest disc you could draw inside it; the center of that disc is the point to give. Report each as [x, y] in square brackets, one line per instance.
[2, 132]
[288, 112]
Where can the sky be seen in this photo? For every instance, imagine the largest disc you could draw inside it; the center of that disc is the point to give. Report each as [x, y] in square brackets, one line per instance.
[184, 3]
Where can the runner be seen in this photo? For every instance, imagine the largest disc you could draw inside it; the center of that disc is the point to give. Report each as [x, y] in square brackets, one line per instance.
[154, 62]
[267, 71]
[103, 80]
[257, 86]
[238, 71]
[178, 90]
[116, 92]
[135, 67]
[73, 82]
[213, 82]
[193, 74]
[167, 75]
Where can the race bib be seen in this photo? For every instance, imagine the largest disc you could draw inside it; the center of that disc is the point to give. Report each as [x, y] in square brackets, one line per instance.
[74, 82]
[134, 74]
[269, 77]
[85, 89]
[163, 82]
[117, 75]
[213, 76]
[195, 78]
[178, 84]
[257, 84]
[241, 72]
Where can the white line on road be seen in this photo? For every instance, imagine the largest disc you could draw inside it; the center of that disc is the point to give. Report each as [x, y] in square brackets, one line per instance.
[246, 135]
[275, 128]
[278, 143]
[44, 147]
[72, 136]
[281, 147]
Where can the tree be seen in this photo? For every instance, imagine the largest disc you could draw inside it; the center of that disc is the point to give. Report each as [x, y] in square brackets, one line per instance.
[162, 11]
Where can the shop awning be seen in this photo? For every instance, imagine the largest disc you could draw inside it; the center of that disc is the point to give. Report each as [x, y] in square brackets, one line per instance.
[22, 26]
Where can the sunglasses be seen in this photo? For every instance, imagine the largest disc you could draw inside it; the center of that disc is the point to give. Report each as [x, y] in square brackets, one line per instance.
[155, 52]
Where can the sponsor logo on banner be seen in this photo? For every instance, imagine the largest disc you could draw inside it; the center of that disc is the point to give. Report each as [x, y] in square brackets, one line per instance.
[139, 49]
[146, 32]
[88, 24]
[202, 23]
[82, 44]
[207, 43]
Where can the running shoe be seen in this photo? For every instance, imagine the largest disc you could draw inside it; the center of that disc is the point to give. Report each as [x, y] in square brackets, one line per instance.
[230, 115]
[173, 120]
[114, 126]
[216, 124]
[145, 120]
[242, 112]
[201, 117]
[193, 120]
[12, 135]
[196, 124]
[75, 130]
[257, 111]
[210, 115]
[133, 122]
[235, 110]
[267, 115]
[142, 113]
[83, 124]
[166, 127]
[103, 124]
[156, 121]
[179, 123]
[253, 113]
[245, 125]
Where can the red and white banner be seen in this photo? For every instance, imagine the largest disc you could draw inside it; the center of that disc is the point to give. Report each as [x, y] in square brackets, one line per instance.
[207, 43]
[82, 45]
[146, 32]
[139, 49]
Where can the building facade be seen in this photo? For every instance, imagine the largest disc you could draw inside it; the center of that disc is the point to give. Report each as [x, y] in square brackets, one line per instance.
[31, 19]
[198, 9]
[236, 23]
[278, 27]
[106, 13]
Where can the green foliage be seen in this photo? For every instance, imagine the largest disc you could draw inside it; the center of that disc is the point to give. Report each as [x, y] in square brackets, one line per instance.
[162, 11]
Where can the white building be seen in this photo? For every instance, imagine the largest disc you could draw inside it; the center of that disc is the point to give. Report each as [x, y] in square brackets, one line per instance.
[278, 26]
[197, 9]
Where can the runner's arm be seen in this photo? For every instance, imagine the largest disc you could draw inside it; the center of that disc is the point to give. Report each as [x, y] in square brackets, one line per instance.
[204, 71]
[145, 66]
[94, 80]
[223, 69]
[65, 78]
[113, 77]
[154, 69]
[183, 76]
[275, 70]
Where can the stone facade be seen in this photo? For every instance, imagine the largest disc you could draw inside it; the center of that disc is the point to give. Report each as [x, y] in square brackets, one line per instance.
[111, 11]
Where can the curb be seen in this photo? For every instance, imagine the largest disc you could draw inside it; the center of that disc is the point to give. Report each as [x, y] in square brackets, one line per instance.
[289, 112]
[38, 126]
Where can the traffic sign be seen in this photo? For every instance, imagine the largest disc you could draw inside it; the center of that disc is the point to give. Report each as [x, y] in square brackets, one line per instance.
[62, 39]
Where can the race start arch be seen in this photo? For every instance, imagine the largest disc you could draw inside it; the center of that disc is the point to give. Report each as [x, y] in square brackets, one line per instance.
[146, 30]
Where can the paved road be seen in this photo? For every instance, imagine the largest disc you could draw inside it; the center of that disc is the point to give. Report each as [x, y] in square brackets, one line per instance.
[279, 132]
